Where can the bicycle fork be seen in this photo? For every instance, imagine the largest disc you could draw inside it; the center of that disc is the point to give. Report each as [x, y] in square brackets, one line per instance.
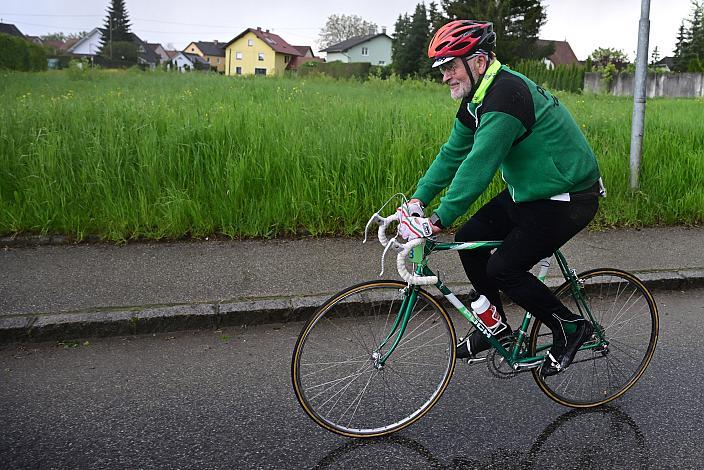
[397, 329]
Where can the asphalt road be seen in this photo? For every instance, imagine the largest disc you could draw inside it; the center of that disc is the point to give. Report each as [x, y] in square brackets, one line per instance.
[223, 399]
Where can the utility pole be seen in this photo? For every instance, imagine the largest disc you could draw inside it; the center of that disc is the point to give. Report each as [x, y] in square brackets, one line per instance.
[638, 123]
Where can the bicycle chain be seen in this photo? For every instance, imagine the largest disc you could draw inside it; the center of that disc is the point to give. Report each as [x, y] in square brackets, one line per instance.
[496, 363]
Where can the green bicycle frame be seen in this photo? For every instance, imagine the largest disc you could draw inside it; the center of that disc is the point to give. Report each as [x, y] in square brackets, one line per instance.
[513, 356]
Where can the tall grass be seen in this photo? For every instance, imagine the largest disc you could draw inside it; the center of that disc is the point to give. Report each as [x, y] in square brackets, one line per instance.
[129, 155]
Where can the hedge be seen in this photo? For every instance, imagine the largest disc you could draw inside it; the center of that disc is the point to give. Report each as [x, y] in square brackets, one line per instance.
[562, 77]
[22, 55]
[336, 69]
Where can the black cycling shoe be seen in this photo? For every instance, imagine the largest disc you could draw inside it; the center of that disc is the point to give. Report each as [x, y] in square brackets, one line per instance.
[561, 356]
[476, 342]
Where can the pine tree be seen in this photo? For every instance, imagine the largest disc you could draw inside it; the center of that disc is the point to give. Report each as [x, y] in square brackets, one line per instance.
[679, 49]
[517, 24]
[655, 56]
[399, 48]
[116, 29]
[689, 51]
[418, 41]
[409, 50]
[696, 43]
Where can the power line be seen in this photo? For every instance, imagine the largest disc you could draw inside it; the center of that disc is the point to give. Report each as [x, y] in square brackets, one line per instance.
[228, 27]
[63, 16]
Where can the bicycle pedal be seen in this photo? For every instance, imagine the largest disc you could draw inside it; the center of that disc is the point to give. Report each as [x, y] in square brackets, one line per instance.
[475, 360]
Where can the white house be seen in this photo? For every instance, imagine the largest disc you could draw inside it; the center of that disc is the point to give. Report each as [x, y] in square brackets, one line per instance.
[183, 61]
[372, 48]
[89, 45]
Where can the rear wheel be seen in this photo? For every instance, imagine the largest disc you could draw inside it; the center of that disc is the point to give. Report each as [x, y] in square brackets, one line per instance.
[335, 368]
[625, 320]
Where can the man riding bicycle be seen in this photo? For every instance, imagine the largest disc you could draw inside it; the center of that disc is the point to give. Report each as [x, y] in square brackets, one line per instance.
[505, 121]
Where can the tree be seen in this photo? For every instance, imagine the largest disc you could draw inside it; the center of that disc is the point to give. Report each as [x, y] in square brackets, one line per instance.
[409, 50]
[517, 24]
[342, 27]
[62, 36]
[689, 51]
[655, 56]
[116, 30]
[603, 56]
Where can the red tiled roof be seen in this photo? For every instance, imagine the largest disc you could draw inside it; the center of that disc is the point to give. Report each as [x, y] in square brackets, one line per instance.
[563, 55]
[304, 50]
[296, 62]
[272, 40]
[69, 43]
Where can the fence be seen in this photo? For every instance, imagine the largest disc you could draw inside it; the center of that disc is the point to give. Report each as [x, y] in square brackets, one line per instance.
[675, 85]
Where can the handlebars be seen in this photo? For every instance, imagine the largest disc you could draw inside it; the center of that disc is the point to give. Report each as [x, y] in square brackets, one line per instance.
[403, 248]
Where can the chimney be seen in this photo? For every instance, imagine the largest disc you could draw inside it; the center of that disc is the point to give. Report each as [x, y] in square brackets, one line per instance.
[267, 30]
[259, 28]
[383, 30]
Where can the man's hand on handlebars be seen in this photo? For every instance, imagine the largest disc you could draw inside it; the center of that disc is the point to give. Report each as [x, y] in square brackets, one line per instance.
[411, 223]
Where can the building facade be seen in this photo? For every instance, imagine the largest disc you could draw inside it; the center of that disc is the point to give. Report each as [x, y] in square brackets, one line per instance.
[372, 48]
[258, 52]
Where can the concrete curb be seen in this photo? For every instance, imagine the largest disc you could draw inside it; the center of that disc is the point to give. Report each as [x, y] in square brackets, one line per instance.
[164, 318]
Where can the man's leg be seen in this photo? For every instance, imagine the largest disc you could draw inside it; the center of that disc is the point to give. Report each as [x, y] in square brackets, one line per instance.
[541, 228]
[491, 222]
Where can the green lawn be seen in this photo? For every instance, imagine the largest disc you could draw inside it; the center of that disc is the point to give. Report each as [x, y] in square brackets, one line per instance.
[128, 155]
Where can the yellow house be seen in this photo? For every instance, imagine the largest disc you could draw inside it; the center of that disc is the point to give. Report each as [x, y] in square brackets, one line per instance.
[258, 52]
[213, 52]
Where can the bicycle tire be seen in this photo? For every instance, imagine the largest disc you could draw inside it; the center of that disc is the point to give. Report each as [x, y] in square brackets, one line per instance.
[618, 300]
[335, 348]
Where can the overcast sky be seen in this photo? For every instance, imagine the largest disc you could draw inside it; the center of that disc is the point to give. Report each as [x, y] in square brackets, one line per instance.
[586, 24]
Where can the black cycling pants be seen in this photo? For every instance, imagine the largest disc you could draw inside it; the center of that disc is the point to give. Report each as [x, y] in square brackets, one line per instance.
[530, 232]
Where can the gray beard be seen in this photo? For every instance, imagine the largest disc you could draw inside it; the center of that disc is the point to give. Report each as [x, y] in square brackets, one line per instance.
[462, 91]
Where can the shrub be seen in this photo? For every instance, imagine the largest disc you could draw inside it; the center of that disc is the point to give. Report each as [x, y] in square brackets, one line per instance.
[562, 77]
[19, 54]
[337, 69]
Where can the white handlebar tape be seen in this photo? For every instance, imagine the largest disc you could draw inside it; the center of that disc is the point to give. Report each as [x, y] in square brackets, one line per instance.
[403, 272]
[383, 223]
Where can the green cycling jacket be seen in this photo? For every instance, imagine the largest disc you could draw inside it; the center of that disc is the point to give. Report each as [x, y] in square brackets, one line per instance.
[516, 126]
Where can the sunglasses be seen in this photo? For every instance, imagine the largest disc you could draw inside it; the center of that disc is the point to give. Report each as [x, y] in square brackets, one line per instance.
[452, 65]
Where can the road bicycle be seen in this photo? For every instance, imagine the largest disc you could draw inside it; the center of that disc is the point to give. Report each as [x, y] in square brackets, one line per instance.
[377, 356]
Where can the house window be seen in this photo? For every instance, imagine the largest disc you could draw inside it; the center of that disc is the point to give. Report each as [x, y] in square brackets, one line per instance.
[250, 42]
[217, 61]
[238, 55]
[365, 51]
[238, 70]
[286, 58]
[381, 62]
[261, 56]
[259, 71]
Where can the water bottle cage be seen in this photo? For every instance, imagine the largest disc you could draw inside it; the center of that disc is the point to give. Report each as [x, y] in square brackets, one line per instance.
[496, 329]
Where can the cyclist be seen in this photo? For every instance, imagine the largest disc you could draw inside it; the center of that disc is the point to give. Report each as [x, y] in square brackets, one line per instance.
[505, 121]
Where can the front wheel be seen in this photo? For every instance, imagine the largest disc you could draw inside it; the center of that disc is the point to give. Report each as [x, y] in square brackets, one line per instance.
[625, 320]
[335, 369]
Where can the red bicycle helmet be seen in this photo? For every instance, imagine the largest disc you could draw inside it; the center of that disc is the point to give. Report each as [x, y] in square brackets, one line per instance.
[461, 38]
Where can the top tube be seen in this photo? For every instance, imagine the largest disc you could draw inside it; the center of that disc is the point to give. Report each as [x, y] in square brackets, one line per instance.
[432, 245]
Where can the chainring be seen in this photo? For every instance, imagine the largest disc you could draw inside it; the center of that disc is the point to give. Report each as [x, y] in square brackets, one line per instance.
[497, 364]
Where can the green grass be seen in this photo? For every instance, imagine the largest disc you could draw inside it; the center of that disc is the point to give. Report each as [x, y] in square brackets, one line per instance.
[128, 155]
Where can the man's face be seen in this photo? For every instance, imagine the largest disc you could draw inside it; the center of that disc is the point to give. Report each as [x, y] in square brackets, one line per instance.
[455, 75]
